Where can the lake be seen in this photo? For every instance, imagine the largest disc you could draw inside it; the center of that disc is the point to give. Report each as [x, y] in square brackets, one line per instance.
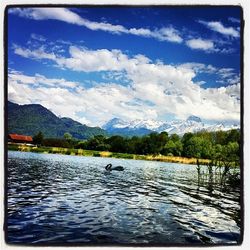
[59, 199]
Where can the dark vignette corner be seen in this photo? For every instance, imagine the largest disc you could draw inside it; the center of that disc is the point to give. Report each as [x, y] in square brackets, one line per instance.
[5, 49]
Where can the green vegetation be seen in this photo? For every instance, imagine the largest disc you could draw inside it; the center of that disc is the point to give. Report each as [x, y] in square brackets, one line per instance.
[215, 148]
[50, 131]
[216, 154]
[38, 138]
[94, 153]
[30, 119]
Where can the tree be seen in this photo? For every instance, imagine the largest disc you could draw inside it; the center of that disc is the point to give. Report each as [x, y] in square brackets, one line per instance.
[172, 148]
[169, 148]
[117, 144]
[163, 139]
[206, 148]
[81, 145]
[231, 152]
[38, 138]
[233, 136]
[67, 136]
[178, 148]
[134, 145]
[56, 142]
[144, 146]
[175, 137]
[220, 137]
[217, 152]
[194, 147]
[92, 143]
[185, 143]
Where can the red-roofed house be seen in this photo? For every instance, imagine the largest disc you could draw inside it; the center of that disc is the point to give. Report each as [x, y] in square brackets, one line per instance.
[19, 138]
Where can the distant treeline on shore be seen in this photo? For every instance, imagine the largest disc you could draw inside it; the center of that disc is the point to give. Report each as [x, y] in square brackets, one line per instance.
[220, 145]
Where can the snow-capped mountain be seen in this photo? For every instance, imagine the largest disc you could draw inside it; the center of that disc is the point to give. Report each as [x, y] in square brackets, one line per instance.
[120, 127]
[142, 127]
[147, 124]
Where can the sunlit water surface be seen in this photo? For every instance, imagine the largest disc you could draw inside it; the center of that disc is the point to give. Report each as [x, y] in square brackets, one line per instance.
[58, 199]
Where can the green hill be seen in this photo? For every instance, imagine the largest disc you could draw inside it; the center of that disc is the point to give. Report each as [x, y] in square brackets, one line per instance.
[31, 118]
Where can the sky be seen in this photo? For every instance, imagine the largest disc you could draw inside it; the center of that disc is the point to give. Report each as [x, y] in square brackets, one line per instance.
[93, 64]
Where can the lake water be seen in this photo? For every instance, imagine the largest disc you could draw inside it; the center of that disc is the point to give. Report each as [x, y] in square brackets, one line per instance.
[59, 199]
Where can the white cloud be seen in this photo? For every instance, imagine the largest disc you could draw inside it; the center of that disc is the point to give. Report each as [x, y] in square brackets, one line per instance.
[234, 20]
[200, 44]
[60, 14]
[234, 90]
[220, 28]
[82, 59]
[167, 34]
[39, 80]
[224, 108]
[65, 15]
[154, 89]
[35, 54]
[97, 104]
[235, 79]
[226, 72]
[226, 76]
[227, 50]
[38, 37]
[200, 67]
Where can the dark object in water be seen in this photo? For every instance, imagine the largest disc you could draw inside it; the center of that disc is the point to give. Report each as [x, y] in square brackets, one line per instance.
[117, 168]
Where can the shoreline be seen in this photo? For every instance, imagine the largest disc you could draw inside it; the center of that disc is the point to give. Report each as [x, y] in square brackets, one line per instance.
[105, 154]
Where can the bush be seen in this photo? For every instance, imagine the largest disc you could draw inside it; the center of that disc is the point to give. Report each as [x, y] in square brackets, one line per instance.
[55, 142]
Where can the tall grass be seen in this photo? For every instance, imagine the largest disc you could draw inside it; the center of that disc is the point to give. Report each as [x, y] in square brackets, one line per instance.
[83, 152]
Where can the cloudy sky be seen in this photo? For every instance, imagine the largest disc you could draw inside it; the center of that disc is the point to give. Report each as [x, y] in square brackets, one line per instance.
[94, 64]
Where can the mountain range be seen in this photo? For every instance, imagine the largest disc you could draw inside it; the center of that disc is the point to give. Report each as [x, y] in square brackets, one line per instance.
[31, 118]
[142, 127]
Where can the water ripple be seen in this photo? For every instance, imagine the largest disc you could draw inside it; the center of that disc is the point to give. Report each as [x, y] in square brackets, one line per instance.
[65, 199]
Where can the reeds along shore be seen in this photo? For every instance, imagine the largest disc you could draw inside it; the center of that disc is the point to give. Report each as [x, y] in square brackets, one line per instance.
[83, 152]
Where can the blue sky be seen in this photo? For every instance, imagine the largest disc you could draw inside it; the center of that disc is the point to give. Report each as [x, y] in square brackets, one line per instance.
[94, 64]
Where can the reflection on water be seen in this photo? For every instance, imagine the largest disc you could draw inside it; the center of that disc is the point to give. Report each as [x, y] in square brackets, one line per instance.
[70, 199]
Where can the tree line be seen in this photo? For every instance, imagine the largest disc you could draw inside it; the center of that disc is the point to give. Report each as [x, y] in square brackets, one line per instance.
[220, 145]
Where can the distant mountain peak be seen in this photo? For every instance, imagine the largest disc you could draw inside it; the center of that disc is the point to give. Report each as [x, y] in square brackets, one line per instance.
[194, 118]
[142, 127]
[113, 122]
[115, 119]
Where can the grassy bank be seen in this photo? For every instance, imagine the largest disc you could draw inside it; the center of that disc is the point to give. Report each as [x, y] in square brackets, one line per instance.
[83, 152]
